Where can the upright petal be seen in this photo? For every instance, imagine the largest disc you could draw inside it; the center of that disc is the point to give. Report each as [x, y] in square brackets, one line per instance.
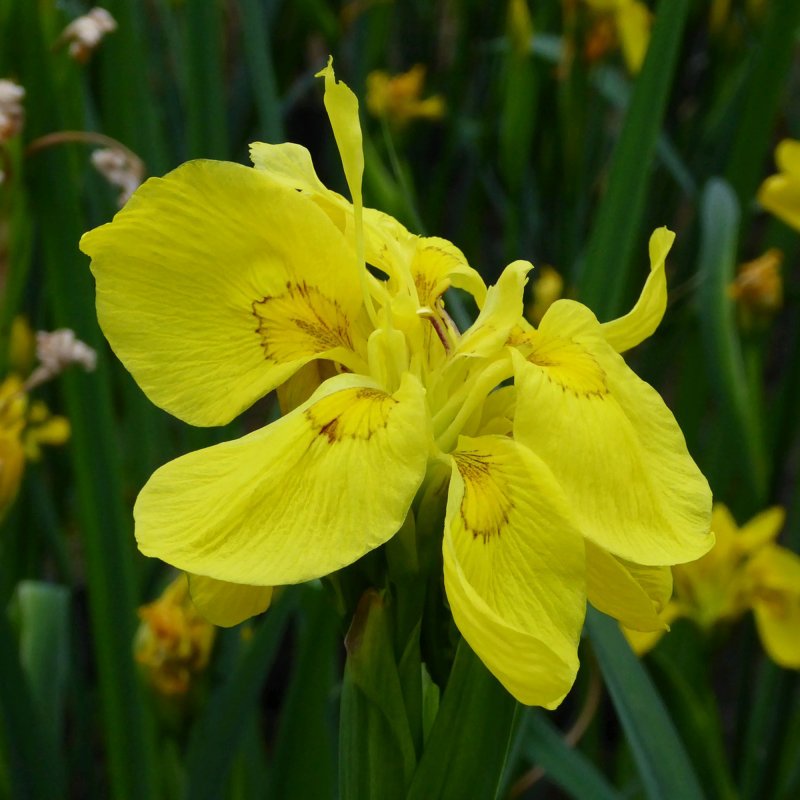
[611, 443]
[514, 568]
[215, 284]
[298, 499]
[227, 604]
[643, 319]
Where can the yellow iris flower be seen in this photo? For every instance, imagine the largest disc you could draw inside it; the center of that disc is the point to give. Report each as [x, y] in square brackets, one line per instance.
[745, 570]
[780, 193]
[569, 477]
[632, 20]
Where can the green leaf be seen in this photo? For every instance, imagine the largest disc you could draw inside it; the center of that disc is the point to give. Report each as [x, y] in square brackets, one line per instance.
[719, 219]
[307, 717]
[607, 265]
[661, 760]
[215, 737]
[376, 750]
[466, 751]
[34, 769]
[543, 744]
[44, 647]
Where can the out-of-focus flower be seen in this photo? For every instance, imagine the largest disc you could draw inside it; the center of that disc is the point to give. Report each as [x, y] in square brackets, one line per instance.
[120, 169]
[758, 287]
[173, 643]
[397, 97]
[12, 114]
[780, 194]
[26, 425]
[632, 20]
[85, 33]
[547, 288]
[744, 570]
[774, 575]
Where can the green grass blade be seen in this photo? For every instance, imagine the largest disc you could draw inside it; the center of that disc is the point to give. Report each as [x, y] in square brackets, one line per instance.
[257, 40]
[34, 769]
[717, 261]
[660, 757]
[765, 84]
[606, 269]
[544, 745]
[215, 737]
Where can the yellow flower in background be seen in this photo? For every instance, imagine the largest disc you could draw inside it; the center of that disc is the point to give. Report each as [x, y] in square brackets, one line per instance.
[745, 570]
[758, 287]
[547, 288]
[173, 643]
[396, 98]
[780, 194]
[569, 477]
[633, 21]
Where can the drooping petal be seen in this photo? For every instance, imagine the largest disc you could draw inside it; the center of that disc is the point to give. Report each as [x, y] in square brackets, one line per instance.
[215, 284]
[227, 604]
[630, 593]
[514, 568]
[298, 499]
[611, 443]
[643, 319]
[775, 575]
[643, 642]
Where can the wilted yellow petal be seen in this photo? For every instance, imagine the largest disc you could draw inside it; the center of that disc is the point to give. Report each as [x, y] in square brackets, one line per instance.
[643, 319]
[611, 443]
[227, 604]
[215, 284]
[298, 499]
[630, 593]
[514, 568]
[775, 575]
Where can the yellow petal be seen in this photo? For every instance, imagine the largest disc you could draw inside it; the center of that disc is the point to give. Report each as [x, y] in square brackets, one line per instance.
[787, 157]
[501, 312]
[642, 642]
[780, 194]
[342, 107]
[633, 25]
[760, 530]
[514, 568]
[630, 593]
[611, 443]
[643, 319]
[227, 604]
[775, 573]
[215, 284]
[437, 265]
[298, 499]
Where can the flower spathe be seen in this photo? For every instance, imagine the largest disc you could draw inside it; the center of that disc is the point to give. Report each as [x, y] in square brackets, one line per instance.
[219, 283]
